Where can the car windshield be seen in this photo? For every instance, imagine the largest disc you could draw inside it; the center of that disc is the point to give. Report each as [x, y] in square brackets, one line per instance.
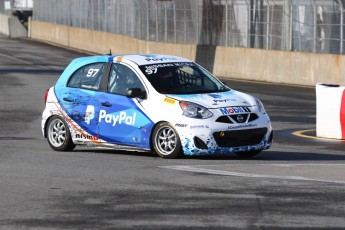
[181, 78]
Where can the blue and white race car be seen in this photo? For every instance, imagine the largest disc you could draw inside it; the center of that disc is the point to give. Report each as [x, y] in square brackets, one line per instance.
[165, 104]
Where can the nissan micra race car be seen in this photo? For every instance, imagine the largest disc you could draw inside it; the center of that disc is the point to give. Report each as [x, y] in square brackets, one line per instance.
[165, 104]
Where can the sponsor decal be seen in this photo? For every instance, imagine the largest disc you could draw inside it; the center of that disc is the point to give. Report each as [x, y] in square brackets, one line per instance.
[152, 69]
[72, 123]
[181, 125]
[199, 127]
[160, 59]
[235, 110]
[169, 101]
[223, 100]
[89, 114]
[86, 136]
[153, 57]
[242, 126]
[119, 118]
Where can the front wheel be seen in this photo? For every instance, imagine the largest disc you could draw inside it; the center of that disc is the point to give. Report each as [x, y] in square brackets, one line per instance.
[166, 141]
[58, 135]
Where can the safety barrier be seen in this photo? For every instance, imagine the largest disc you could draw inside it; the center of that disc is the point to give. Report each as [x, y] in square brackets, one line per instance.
[12, 27]
[330, 111]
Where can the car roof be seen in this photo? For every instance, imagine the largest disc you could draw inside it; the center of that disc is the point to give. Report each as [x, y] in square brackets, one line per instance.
[147, 59]
[138, 59]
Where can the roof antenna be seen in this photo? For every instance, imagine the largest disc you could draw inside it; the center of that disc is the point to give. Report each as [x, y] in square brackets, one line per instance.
[110, 54]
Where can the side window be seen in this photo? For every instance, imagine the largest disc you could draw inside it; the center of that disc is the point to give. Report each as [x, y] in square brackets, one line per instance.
[87, 77]
[121, 79]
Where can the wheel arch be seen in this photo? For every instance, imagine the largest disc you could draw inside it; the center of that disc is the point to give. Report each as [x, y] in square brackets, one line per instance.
[153, 128]
[46, 124]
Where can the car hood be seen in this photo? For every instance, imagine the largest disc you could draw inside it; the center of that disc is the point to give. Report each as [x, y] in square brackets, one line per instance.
[217, 100]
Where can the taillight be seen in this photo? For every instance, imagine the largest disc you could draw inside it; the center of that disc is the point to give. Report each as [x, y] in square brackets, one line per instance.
[46, 96]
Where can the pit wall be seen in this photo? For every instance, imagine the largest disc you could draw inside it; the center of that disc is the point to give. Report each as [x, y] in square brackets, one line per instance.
[228, 62]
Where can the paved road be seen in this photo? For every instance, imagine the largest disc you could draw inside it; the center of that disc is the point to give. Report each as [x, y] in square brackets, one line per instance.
[298, 183]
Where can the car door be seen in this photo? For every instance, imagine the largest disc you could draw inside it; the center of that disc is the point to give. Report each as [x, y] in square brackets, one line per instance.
[80, 99]
[122, 120]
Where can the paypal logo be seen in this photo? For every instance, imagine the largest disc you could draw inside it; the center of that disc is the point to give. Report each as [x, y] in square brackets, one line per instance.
[120, 118]
[89, 114]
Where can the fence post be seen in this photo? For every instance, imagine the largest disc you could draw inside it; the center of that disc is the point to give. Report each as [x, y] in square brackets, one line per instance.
[288, 24]
[226, 23]
[341, 26]
[156, 22]
[197, 40]
[147, 21]
[165, 23]
[315, 26]
[267, 25]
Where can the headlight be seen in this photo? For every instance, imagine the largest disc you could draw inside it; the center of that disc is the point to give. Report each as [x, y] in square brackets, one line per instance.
[194, 110]
[260, 106]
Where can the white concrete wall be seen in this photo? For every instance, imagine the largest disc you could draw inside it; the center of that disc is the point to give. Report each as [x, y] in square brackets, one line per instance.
[241, 63]
[4, 25]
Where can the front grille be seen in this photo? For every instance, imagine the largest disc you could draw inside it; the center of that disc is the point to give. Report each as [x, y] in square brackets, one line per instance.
[237, 118]
[239, 137]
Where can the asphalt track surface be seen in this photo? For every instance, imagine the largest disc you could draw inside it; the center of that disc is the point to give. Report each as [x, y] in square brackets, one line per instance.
[299, 183]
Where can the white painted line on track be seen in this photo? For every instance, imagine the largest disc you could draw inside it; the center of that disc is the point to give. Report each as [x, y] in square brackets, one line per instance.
[200, 169]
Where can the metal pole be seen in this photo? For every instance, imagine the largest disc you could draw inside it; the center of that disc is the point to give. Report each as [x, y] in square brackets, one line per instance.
[185, 25]
[165, 23]
[118, 18]
[126, 13]
[156, 22]
[288, 24]
[248, 30]
[252, 25]
[139, 21]
[197, 23]
[147, 21]
[267, 25]
[341, 26]
[99, 16]
[226, 23]
[175, 22]
[260, 9]
[315, 27]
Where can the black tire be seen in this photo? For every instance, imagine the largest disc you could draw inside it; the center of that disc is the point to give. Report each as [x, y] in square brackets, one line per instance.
[58, 135]
[248, 154]
[166, 141]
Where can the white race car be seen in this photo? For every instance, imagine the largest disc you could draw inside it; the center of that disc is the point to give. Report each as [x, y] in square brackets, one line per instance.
[165, 104]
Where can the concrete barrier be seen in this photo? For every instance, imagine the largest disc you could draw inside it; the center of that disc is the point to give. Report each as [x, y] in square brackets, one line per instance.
[241, 63]
[12, 27]
[4, 25]
[330, 111]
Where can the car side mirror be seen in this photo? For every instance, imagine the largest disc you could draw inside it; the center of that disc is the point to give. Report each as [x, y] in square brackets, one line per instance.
[136, 93]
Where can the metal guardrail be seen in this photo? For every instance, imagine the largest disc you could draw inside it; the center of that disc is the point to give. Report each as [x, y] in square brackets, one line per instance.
[315, 26]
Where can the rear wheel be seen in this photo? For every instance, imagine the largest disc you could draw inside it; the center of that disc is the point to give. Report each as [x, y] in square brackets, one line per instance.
[248, 154]
[58, 135]
[166, 141]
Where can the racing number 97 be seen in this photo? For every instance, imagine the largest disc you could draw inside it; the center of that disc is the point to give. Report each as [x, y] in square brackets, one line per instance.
[92, 72]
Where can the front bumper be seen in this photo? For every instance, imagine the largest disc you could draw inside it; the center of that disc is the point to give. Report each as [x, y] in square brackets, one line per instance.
[217, 138]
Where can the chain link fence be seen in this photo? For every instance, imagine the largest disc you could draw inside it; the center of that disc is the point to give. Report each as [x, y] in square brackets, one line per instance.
[296, 25]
